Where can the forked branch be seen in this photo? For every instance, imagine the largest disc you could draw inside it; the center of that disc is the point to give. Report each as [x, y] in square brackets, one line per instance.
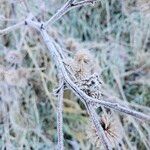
[83, 96]
[70, 4]
[56, 53]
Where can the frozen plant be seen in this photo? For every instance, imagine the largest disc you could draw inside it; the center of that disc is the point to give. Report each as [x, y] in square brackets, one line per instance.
[81, 78]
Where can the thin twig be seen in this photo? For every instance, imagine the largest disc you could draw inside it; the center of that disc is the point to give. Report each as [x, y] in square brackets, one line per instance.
[60, 145]
[19, 24]
[65, 8]
[11, 28]
[56, 55]
[99, 130]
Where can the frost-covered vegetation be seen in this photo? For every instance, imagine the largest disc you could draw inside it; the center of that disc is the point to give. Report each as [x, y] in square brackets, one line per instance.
[116, 32]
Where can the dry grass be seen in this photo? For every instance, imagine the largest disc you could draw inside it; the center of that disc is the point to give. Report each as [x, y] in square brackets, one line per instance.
[116, 32]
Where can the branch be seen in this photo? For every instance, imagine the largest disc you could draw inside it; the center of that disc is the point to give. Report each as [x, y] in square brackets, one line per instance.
[56, 54]
[84, 97]
[106, 103]
[61, 67]
[98, 127]
[70, 4]
[18, 25]
[60, 145]
[11, 28]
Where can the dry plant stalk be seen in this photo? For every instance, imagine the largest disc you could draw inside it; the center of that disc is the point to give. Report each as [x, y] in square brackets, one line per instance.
[57, 54]
[110, 126]
[60, 144]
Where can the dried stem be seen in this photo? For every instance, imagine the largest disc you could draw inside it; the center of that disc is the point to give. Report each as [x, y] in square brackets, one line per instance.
[98, 127]
[11, 28]
[84, 97]
[70, 4]
[60, 145]
[56, 53]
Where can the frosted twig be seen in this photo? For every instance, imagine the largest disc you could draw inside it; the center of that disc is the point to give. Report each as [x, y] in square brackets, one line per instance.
[60, 145]
[70, 4]
[18, 25]
[98, 127]
[12, 28]
[56, 54]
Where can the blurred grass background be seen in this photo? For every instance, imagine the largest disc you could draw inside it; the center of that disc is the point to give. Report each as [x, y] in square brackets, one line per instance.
[116, 31]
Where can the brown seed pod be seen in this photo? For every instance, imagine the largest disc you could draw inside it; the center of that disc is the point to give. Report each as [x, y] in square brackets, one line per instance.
[111, 129]
[84, 69]
[84, 64]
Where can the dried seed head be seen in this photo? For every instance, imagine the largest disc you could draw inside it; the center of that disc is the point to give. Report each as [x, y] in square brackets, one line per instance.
[84, 70]
[14, 57]
[84, 64]
[92, 86]
[111, 129]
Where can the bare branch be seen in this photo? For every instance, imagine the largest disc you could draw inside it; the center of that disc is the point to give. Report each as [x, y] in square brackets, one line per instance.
[98, 127]
[84, 97]
[11, 28]
[70, 4]
[60, 145]
[18, 25]
[57, 55]
[83, 3]
[106, 103]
